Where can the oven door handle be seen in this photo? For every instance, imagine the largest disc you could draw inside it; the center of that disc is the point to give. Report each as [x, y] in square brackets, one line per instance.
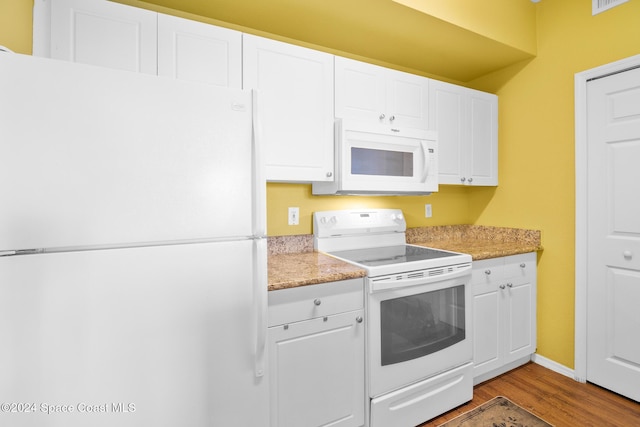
[382, 284]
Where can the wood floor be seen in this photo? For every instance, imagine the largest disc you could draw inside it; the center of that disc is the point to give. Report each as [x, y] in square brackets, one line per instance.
[557, 399]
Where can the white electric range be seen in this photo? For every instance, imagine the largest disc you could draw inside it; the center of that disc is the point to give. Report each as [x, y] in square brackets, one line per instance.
[418, 315]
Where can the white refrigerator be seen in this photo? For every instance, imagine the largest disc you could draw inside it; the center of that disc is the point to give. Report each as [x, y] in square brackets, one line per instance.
[132, 250]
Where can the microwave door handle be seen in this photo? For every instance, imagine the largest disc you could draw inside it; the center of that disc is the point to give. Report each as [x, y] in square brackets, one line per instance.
[425, 157]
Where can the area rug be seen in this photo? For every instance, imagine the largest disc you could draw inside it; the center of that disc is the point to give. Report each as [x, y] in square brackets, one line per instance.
[498, 412]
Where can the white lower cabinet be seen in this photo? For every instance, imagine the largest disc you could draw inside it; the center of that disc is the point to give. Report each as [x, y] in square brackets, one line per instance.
[316, 355]
[504, 314]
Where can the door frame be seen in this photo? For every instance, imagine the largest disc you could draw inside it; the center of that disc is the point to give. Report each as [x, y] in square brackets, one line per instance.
[581, 174]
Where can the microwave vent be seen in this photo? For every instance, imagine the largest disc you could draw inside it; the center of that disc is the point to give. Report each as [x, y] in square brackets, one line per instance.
[602, 5]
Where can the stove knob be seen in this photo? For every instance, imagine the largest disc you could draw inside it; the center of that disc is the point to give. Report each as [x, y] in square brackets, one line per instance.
[323, 220]
[333, 220]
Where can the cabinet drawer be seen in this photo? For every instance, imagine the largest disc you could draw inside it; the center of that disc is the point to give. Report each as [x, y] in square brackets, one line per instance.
[519, 265]
[486, 275]
[308, 302]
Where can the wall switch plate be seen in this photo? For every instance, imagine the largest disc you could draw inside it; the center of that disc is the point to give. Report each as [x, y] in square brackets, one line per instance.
[427, 211]
[294, 216]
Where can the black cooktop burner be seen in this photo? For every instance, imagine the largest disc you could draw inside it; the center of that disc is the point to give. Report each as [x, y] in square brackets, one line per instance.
[390, 255]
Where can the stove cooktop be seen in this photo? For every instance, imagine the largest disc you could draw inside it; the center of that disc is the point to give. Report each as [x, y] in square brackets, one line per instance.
[391, 255]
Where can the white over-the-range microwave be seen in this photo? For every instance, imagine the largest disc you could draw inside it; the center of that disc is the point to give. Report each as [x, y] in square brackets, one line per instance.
[374, 159]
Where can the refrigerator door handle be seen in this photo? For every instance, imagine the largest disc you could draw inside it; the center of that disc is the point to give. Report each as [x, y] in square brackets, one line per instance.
[259, 181]
[260, 304]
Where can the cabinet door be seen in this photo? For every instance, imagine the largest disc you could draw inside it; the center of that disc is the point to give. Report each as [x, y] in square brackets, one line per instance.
[195, 51]
[483, 134]
[520, 307]
[448, 118]
[295, 108]
[317, 372]
[407, 100]
[104, 33]
[467, 125]
[360, 91]
[487, 315]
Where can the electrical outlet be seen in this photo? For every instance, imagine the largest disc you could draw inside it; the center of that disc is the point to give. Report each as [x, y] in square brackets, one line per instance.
[427, 211]
[294, 216]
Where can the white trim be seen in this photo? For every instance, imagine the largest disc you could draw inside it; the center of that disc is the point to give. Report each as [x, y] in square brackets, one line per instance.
[554, 366]
[581, 244]
[42, 28]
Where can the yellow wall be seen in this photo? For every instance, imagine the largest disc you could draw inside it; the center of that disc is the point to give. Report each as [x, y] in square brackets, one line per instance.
[16, 25]
[536, 151]
[537, 183]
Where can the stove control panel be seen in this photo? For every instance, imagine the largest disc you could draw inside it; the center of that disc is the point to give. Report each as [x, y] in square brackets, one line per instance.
[355, 222]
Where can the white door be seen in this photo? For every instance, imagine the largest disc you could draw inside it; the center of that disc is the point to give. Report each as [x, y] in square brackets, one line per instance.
[199, 52]
[295, 108]
[613, 234]
[104, 33]
[407, 100]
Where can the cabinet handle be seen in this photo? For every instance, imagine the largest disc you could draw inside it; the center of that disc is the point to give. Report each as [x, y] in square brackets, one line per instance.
[502, 286]
[359, 319]
[382, 116]
[510, 285]
[523, 265]
[470, 180]
[329, 174]
[463, 179]
[392, 118]
[317, 301]
[487, 272]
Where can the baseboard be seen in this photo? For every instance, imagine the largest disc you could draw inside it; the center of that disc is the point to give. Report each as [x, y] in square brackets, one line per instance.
[555, 366]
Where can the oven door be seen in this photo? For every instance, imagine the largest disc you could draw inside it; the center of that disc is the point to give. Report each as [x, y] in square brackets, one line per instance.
[418, 330]
[374, 159]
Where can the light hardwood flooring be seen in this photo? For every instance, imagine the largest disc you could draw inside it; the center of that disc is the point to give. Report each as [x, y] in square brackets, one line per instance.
[557, 399]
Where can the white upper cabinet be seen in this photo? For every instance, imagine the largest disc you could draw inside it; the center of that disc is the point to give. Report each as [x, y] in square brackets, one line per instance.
[295, 108]
[376, 94]
[195, 51]
[98, 33]
[114, 35]
[467, 124]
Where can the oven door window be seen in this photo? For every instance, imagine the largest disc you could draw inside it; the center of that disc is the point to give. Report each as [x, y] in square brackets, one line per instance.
[417, 325]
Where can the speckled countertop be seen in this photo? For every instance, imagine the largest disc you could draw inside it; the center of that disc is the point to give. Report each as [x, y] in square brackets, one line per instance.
[481, 242]
[292, 261]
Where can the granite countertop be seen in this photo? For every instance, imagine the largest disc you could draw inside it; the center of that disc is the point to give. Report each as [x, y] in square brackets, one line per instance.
[292, 261]
[481, 242]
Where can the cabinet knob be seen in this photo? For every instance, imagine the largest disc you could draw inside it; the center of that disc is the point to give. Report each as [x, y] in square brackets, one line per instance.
[487, 272]
[359, 319]
[470, 180]
[523, 265]
[463, 179]
[627, 254]
[510, 285]
[382, 116]
[329, 174]
[317, 301]
[502, 286]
